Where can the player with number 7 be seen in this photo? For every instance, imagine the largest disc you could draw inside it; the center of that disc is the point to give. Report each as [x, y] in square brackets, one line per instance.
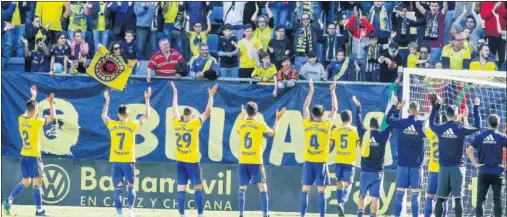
[123, 150]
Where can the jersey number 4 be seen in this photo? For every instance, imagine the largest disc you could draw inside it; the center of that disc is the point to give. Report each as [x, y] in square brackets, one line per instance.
[314, 141]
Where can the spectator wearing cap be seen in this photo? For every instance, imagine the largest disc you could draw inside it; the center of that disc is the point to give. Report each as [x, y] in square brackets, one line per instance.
[331, 43]
[130, 49]
[173, 22]
[264, 26]
[360, 38]
[342, 68]
[203, 62]
[76, 12]
[279, 47]
[401, 27]
[124, 20]
[493, 35]
[379, 17]
[266, 71]
[145, 29]
[197, 36]
[419, 59]
[391, 64]
[101, 23]
[434, 29]
[233, 14]
[305, 37]
[313, 70]
[372, 66]
[472, 21]
[164, 61]
[228, 53]
[15, 32]
[483, 62]
[249, 48]
[60, 53]
[39, 55]
[78, 51]
[454, 56]
[286, 76]
[51, 15]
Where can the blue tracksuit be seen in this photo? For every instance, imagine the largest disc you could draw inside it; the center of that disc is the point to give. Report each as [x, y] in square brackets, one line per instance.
[490, 146]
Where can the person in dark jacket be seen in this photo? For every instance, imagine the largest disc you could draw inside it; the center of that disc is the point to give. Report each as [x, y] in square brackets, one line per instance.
[15, 30]
[101, 23]
[332, 42]
[401, 25]
[124, 19]
[303, 42]
[228, 53]
[32, 30]
[39, 55]
[130, 49]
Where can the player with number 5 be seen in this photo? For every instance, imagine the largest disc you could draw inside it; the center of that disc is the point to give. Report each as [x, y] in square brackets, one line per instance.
[123, 150]
[187, 150]
[250, 168]
[30, 126]
[317, 133]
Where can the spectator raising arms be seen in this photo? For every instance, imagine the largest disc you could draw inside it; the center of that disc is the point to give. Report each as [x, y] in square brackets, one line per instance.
[360, 37]
[493, 36]
[164, 61]
[454, 55]
[391, 64]
[249, 48]
[266, 71]
[380, 18]
[14, 34]
[60, 53]
[77, 11]
[264, 30]
[401, 25]
[286, 76]
[279, 47]
[51, 15]
[483, 62]
[228, 53]
[472, 21]
[313, 70]
[32, 30]
[233, 14]
[39, 55]
[340, 68]
[434, 29]
[198, 36]
[200, 65]
[305, 37]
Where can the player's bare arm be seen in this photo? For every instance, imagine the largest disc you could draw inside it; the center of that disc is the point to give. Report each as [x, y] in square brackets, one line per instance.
[211, 94]
[33, 91]
[105, 117]
[176, 112]
[334, 102]
[52, 109]
[147, 95]
[279, 114]
[471, 156]
[308, 100]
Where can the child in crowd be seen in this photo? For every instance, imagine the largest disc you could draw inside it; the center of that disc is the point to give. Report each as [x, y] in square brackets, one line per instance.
[130, 49]
[286, 76]
[266, 71]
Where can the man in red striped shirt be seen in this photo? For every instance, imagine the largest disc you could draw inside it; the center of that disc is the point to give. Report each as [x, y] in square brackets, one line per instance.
[164, 61]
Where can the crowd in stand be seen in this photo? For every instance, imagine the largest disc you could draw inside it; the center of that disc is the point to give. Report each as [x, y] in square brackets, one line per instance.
[281, 41]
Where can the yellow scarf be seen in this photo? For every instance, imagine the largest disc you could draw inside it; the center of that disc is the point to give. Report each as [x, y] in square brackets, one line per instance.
[365, 145]
[383, 17]
[207, 66]
[344, 69]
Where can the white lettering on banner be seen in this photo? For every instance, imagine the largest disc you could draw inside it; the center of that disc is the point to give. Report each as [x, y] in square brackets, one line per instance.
[153, 201]
[234, 140]
[172, 203]
[63, 133]
[170, 134]
[216, 134]
[294, 120]
[150, 142]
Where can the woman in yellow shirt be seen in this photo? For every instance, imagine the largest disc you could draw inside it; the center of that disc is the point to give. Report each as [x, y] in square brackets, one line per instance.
[248, 49]
[264, 24]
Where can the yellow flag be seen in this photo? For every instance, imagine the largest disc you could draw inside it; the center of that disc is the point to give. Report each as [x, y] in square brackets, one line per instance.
[365, 147]
[110, 69]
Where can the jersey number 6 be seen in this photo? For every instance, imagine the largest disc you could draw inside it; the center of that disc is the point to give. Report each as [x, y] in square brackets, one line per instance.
[247, 140]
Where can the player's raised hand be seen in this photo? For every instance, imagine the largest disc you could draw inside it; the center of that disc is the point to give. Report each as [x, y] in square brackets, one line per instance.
[106, 95]
[311, 84]
[356, 101]
[395, 99]
[279, 113]
[174, 87]
[332, 86]
[213, 90]
[477, 101]
[147, 93]
[400, 105]
[33, 90]
[51, 98]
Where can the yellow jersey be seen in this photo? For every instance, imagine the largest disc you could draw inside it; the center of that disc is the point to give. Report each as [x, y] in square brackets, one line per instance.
[187, 140]
[345, 137]
[196, 39]
[476, 65]
[251, 136]
[456, 58]
[412, 60]
[317, 135]
[433, 142]
[264, 36]
[247, 60]
[30, 131]
[123, 140]
[269, 73]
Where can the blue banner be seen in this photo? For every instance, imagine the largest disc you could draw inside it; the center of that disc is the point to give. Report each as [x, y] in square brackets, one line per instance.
[79, 133]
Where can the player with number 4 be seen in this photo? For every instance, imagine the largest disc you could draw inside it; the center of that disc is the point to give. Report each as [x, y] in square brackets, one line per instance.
[30, 126]
[187, 129]
[123, 150]
[250, 168]
[317, 134]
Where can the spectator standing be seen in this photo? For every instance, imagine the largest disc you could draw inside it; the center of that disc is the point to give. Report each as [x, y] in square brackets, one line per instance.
[164, 61]
[313, 70]
[201, 64]
[7, 11]
[341, 29]
[101, 23]
[146, 31]
[493, 35]
[233, 14]
[14, 34]
[32, 30]
[380, 18]
[286, 77]
[340, 69]
[60, 53]
[279, 47]
[77, 11]
[305, 38]
[39, 55]
[130, 49]
[434, 29]
[51, 15]
[312, 8]
[454, 56]
[196, 11]
[419, 59]
[249, 48]
[280, 10]
[372, 66]
[124, 19]
[264, 26]
[483, 62]
[332, 42]
[228, 53]
[391, 64]
[79, 50]
[172, 28]
[197, 36]
[472, 21]
[401, 26]
[266, 71]
[360, 38]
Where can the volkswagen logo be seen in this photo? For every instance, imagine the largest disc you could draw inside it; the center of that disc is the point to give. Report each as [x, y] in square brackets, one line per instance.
[55, 184]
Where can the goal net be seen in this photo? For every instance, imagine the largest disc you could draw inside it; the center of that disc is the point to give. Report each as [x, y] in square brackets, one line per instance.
[460, 87]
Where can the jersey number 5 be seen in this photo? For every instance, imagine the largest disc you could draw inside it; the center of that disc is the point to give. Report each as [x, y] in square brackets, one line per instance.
[314, 142]
[247, 140]
[25, 138]
[343, 141]
[122, 139]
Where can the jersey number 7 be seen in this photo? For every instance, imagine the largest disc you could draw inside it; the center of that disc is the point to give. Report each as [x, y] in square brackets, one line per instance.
[122, 138]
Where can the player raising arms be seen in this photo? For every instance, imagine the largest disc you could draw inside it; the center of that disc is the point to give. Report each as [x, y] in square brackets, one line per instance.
[410, 154]
[32, 169]
[373, 148]
[123, 149]
[187, 150]
[346, 140]
[251, 134]
[451, 137]
[317, 133]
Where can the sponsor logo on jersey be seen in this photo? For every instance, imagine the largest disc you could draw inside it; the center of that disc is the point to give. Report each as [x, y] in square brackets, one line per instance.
[449, 134]
[410, 130]
[489, 140]
[373, 142]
